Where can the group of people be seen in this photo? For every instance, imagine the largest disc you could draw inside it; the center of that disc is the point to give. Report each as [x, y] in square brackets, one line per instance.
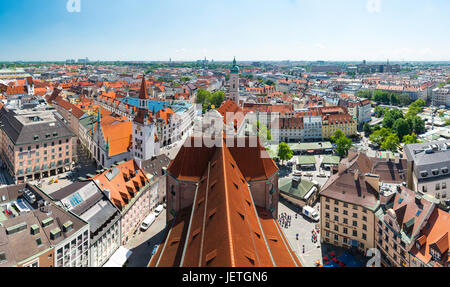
[284, 220]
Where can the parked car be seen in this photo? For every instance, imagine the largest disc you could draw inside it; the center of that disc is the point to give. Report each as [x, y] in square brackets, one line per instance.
[311, 213]
[158, 210]
[148, 221]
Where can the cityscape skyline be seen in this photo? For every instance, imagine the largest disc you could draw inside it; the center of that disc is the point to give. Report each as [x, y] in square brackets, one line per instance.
[302, 30]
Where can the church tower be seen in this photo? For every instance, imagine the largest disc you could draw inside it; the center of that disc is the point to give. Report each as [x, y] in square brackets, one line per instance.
[145, 143]
[234, 83]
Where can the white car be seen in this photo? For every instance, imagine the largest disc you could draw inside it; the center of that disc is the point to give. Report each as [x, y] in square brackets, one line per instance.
[148, 221]
[158, 210]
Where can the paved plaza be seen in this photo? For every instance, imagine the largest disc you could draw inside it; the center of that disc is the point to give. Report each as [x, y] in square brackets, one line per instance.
[304, 227]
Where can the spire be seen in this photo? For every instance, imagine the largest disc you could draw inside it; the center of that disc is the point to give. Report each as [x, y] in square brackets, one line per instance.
[99, 116]
[107, 143]
[143, 93]
[234, 61]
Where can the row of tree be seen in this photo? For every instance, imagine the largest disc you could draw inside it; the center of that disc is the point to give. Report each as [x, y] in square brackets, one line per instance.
[342, 142]
[208, 99]
[397, 127]
[384, 97]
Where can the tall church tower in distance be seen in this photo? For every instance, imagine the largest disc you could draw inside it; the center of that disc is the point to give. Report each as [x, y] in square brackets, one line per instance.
[234, 83]
[145, 142]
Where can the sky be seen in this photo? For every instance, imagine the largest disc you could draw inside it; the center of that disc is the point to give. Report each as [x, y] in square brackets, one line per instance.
[250, 30]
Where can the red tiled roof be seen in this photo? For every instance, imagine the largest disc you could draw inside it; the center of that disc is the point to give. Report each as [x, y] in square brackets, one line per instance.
[225, 228]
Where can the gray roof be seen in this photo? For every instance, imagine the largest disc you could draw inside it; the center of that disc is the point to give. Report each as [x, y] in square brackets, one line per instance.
[155, 165]
[92, 205]
[426, 160]
[21, 132]
[20, 246]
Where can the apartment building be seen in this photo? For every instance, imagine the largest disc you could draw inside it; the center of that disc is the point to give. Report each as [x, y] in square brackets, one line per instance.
[431, 248]
[155, 169]
[35, 232]
[128, 187]
[35, 144]
[351, 197]
[360, 109]
[428, 168]
[86, 200]
[399, 220]
[441, 97]
[334, 122]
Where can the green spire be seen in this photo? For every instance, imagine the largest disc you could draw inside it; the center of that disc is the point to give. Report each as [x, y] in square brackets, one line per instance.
[234, 69]
[99, 117]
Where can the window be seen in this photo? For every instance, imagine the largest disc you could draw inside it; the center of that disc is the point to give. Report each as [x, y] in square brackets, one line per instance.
[345, 230]
[364, 237]
[438, 186]
[336, 209]
[327, 215]
[364, 218]
[355, 223]
[327, 206]
[345, 221]
[364, 227]
[336, 218]
[2, 257]
[355, 233]
[355, 215]
[345, 204]
[327, 224]
[345, 212]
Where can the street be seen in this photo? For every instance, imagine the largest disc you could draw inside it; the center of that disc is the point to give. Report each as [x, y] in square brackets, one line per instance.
[142, 243]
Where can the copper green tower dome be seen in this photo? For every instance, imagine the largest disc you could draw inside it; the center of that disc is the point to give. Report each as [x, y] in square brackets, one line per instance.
[235, 68]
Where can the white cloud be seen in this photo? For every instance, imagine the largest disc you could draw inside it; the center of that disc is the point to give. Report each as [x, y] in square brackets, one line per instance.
[320, 46]
[373, 6]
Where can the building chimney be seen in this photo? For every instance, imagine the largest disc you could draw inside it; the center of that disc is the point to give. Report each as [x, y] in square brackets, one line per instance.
[356, 174]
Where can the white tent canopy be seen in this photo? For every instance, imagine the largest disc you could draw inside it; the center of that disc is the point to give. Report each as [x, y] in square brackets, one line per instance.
[119, 257]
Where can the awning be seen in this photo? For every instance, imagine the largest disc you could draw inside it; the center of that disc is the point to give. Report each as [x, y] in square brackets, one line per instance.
[119, 257]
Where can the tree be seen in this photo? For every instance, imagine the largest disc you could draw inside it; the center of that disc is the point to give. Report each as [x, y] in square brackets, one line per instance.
[390, 143]
[415, 108]
[447, 122]
[379, 111]
[208, 99]
[410, 139]
[418, 125]
[390, 117]
[343, 144]
[284, 151]
[401, 127]
[367, 94]
[270, 83]
[379, 136]
[337, 135]
[367, 129]
[404, 99]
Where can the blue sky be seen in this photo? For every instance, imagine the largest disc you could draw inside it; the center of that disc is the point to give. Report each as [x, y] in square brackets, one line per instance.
[342, 30]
